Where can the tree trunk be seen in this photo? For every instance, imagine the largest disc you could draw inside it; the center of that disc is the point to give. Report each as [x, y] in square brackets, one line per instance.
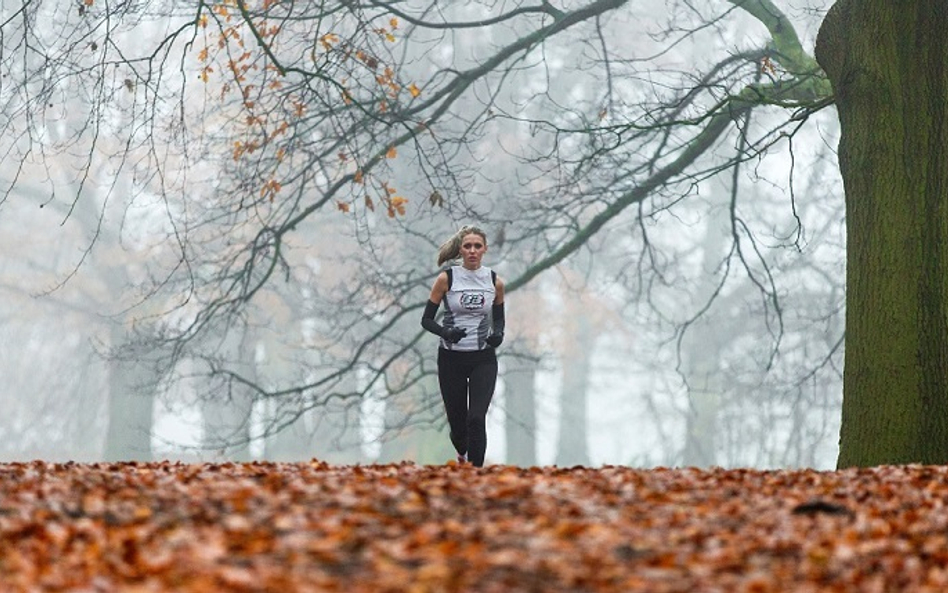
[573, 447]
[702, 346]
[227, 407]
[415, 428]
[337, 430]
[520, 423]
[90, 414]
[134, 376]
[888, 62]
[701, 425]
[291, 443]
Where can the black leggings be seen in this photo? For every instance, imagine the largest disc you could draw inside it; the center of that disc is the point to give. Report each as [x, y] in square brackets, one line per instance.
[467, 382]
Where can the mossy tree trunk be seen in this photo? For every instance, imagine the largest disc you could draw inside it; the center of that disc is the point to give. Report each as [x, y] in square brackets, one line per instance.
[888, 63]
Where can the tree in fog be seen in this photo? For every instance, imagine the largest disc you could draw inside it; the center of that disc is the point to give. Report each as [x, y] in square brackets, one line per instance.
[257, 126]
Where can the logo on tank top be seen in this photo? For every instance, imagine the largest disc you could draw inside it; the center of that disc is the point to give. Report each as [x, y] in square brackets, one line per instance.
[472, 300]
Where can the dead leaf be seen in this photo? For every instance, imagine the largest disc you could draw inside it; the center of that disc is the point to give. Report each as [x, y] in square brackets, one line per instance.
[259, 526]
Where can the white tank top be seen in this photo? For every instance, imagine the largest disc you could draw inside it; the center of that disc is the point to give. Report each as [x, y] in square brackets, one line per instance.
[467, 305]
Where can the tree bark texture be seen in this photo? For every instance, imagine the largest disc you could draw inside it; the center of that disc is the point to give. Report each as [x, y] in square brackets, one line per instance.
[888, 63]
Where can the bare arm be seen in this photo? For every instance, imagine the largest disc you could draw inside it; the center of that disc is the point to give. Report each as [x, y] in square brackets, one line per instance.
[439, 289]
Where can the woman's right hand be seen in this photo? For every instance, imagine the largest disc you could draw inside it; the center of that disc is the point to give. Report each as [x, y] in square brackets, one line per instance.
[453, 335]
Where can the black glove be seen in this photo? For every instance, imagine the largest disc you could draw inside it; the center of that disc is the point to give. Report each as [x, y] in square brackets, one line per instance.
[453, 335]
[496, 337]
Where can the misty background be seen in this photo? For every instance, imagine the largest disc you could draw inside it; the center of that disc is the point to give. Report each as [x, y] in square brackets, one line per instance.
[175, 289]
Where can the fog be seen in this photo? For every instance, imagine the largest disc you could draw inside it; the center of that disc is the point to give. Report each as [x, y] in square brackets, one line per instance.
[177, 288]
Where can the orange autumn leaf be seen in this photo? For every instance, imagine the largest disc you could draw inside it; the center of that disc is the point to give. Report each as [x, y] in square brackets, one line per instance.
[329, 40]
[270, 189]
[392, 153]
[398, 203]
[312, 526]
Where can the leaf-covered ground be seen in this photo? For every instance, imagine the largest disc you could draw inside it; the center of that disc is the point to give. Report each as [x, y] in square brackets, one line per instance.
[314, 527]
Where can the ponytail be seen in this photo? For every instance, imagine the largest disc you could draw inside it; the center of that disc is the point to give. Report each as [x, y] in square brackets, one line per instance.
[451, 249]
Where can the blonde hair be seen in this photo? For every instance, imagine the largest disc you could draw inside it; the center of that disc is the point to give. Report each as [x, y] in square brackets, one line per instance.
[451, 248]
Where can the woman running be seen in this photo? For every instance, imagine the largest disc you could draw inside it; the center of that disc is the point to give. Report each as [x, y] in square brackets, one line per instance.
[473, 326]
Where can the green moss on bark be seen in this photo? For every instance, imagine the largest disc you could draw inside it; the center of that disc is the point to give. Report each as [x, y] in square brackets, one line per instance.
[888, 63]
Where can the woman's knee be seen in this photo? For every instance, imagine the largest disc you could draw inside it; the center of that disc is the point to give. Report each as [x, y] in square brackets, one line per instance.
[476, 422]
